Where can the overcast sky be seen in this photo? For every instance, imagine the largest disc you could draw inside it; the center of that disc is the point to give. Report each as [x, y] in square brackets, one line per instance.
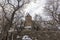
[37, 7]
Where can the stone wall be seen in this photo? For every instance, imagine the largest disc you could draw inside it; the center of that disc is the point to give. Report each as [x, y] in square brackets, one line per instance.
[28, 20]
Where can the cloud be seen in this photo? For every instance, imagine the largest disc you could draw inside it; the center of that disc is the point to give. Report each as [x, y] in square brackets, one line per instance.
[35, 7]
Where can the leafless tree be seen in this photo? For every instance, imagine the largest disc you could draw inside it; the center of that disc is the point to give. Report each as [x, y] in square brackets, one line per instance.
[52, 7]
[10, 11]
[37, 22]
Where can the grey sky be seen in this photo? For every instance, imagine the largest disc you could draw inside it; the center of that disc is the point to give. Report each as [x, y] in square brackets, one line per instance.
[34, 7]
[37, 7]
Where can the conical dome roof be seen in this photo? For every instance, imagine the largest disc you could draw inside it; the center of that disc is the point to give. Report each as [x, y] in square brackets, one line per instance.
[28, 14]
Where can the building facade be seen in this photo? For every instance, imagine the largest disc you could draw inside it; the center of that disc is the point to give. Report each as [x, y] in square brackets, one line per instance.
[28, 21]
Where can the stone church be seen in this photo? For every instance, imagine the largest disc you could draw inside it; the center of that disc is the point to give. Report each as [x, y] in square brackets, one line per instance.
[28, 22]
